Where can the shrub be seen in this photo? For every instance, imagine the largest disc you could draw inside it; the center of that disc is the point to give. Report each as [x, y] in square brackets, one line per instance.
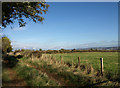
[27, 53]
[6, 45]
[19, 56]
[37, 54]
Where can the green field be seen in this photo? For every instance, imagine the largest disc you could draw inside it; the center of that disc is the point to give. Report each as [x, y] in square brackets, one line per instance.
[110, 59]
[49, 71]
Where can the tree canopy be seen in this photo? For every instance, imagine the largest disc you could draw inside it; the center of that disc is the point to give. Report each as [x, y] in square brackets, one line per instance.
[19, 10]
[6, 45]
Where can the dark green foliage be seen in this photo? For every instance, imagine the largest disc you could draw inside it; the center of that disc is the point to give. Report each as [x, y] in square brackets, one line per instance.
[40, 49]
[49, 51]
[27, 53]
[55, 51]
[19, 56]
[73, 50]
[62, 50]
[31, 53]
[37, 54]
[18, 10]
[6, 45]
[22, 50]
[12, 61]
[82, 67]
[112, 76]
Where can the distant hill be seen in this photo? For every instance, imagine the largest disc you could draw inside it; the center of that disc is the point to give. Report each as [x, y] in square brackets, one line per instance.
[99, 48]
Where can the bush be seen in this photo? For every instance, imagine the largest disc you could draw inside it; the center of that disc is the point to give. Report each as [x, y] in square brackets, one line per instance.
[30, 54]
[11, 61]
[27, 53]
[6, 45]
[37, 54]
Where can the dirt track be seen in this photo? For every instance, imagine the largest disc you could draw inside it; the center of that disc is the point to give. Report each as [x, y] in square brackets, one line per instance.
[14, 79]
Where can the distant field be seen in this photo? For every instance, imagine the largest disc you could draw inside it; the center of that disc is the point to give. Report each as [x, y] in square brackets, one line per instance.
[93, 58]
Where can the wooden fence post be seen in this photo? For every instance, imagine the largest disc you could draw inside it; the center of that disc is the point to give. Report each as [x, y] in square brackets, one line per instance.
[101, 63]
[78, 61]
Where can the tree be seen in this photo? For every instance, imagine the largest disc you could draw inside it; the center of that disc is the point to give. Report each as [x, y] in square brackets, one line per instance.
[40, 49]
[6, 45]
[62, 50]
[22, 50]
[73, 50]
[19, 10]
[91, 49]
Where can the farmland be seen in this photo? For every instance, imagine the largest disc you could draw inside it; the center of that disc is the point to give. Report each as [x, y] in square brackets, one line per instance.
[50, 70]
[93, 58]
[59, 44]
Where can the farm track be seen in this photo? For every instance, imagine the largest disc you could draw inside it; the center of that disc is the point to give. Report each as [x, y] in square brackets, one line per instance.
[14, 79]
[52, 76]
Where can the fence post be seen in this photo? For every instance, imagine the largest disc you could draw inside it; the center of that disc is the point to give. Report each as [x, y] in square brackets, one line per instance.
[78, 61]
[101, 63]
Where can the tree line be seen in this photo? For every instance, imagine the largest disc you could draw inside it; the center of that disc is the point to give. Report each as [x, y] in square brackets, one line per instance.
[63, 51]
[7, 47]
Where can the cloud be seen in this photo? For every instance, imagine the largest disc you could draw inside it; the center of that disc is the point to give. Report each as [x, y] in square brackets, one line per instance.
[88, 45]
[24, 45]
[99, 44]
[18, 28]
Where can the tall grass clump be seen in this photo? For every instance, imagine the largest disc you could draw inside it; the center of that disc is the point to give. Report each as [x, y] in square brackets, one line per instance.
[33, 77]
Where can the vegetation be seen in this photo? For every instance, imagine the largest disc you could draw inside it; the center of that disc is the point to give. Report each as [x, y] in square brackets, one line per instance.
[62, 69]
[6, 45]
[33, 77]
[85, 75]
[12, 11]
[110, 59]
[52, 67]
[64, 51]
[5, 77]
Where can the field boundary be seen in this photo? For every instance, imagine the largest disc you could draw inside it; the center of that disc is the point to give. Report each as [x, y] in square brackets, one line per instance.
[51, 76]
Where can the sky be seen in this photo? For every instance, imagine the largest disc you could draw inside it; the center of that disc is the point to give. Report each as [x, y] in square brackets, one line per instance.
[69, 25]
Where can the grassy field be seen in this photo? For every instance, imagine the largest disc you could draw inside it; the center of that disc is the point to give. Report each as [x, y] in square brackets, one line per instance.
[49, 71]
[93, 58]
[87, 74]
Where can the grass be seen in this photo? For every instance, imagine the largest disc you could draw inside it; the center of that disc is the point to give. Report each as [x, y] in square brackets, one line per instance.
[5, 77]
[33, 77]
[62, 72]
[83, 76]
[93, 58]
[48, 71]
